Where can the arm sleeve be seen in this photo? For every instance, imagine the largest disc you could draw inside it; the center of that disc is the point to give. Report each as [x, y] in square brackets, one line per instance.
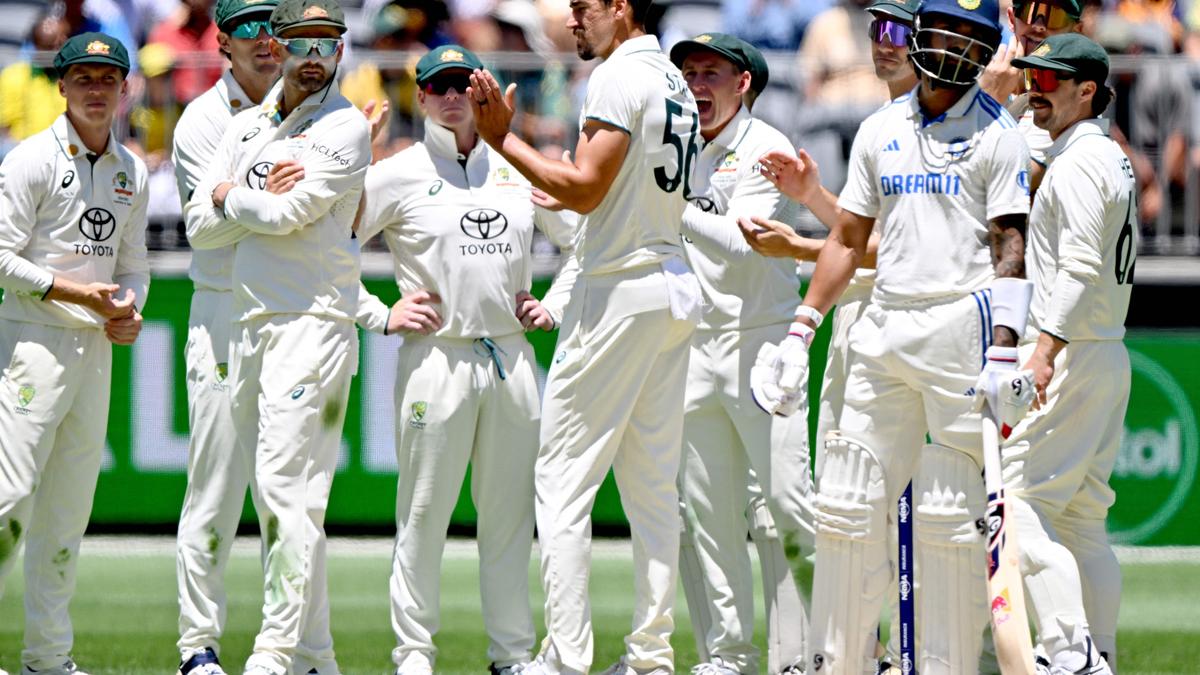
[559, 228]
[719, 235]
[383, 206]
[1081, 211]
[860, 194]
[205, 224]
[132, 268]
[194, 149]
[328, 176]
[612, 99]
[19, 196]
[1008, 175]
[372, 313]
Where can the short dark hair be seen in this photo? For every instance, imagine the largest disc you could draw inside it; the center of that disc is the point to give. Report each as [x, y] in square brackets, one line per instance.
[641, 10]
[1103, 97]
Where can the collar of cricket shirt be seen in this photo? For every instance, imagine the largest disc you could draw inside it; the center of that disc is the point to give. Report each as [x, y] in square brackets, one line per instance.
[970, 98]
[68, 139]
[270, 105]
[235, 96]
[441, 143]
[1092, 126]
[734, 131]
[641, 43]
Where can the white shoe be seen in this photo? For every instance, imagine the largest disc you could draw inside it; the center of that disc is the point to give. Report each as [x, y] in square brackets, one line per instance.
[622, 668]
[258, 670]
[715, 667]
[67, 668]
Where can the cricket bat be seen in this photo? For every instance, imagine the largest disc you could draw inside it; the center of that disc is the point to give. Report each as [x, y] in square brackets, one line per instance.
[1006, 594]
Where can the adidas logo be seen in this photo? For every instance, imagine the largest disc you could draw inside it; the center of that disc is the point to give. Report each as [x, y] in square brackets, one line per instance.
[893, 146]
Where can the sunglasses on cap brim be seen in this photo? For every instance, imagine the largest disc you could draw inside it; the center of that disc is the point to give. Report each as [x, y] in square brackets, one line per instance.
[440, 84]
[1052, 16]
[324, 46]
[1043, 80]
[893, 31]
[248, 30]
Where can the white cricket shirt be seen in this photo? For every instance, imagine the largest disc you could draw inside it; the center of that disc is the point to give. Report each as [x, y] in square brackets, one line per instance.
[637, 223]
[295, 252]
[1083, 235]
[64, 215]
[197, 136]
[459, 226]
[742, 288]
[933, 185]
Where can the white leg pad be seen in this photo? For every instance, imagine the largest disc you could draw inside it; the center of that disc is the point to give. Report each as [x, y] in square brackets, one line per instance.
[852, 569]
[952, 568]
[785, 602]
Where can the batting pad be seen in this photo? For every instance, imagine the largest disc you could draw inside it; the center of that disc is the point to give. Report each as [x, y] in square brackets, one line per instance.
[852, 571]
[952, 608]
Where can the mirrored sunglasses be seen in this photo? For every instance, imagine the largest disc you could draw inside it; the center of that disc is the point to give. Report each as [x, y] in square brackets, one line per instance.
[895, 32]
[1041, 80]
[1052, 16]
[248, 30]
[325, 47]
[441, 84]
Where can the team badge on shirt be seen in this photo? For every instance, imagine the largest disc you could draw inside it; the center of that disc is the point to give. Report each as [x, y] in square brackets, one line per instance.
[121, 192]
[416, 419]
[25, 395]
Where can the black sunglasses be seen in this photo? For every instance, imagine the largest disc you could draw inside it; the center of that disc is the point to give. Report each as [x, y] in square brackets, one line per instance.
[442, 83]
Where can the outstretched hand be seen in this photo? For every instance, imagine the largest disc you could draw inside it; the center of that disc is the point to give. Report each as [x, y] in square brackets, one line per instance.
[798, 176]
[492, 108]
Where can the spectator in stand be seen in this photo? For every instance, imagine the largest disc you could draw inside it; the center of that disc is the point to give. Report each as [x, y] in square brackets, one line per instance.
[29, 98]
[1165, 15]
[772, 24]
[191, 34]
[154, 118]
[83, 17]
[141, 15]
[542, 104]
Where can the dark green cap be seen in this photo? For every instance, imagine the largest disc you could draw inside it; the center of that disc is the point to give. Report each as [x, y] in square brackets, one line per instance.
[228, 10]
[446, 57]
[1071, 54]
[903, 10]
[92, 48]
[289, 14]
[1074, 7]
[743, 55]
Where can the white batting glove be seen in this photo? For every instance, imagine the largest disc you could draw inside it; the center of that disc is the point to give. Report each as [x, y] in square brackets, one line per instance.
[1004, 390]
[777, 378]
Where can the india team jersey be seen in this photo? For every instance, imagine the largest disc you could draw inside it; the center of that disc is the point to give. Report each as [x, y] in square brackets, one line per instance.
[1083, 235]
[63, 214]
[932, 185]
[639, 90]
[295, 252]
[197, 136]
[460, 227]
[744, 291]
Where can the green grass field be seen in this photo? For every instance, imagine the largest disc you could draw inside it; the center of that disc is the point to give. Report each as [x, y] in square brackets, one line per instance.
[125, 610]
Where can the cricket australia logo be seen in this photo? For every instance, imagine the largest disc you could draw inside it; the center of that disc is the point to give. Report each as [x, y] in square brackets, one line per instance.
[97, 224]
[256, 177]
[417, 419]
[25, 395]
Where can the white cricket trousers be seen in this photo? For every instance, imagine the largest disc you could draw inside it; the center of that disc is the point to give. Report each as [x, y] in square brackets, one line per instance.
[217, 475]
[910, 369]
[725, 435]
[1058, 461]
[291, 380]
[455, 404]
[54, 393]
[614, 397]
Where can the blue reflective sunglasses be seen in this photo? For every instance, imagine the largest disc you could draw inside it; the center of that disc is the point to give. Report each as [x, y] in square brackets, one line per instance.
[248, 30]
[304, 46]
[893, 31]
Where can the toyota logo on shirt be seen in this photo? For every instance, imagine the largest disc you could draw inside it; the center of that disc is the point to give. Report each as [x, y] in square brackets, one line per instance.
[483, 224]
[97, 224]
[704, 204]
[257, 175]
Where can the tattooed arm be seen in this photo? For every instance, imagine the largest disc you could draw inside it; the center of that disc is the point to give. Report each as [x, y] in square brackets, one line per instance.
[1006, 236]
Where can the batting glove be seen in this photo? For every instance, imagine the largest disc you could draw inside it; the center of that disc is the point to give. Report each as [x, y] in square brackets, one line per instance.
[1004, 390]
[778, 375]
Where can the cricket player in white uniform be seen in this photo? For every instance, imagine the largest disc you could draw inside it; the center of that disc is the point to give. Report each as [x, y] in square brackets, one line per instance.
[1082, 243]
[295, 281]
[74, 273]
[942, 171]
[750, 299]
[459, 221]
[614, 395]
[1032, 21]
[217, 474]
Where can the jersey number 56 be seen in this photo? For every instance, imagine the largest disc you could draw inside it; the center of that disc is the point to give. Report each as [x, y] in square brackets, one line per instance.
[685, 150]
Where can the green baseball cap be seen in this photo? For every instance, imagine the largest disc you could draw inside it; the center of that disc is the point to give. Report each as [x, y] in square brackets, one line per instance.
[904, 10]
[446, 57]
[1071, 54]
[92, 48]
[1074, 8]
[228, 10]
[289, 14]
[743, 55]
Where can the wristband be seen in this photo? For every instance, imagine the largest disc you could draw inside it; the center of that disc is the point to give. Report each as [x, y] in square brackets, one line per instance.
[811, 314]
[1010, 303]
[803, 331]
